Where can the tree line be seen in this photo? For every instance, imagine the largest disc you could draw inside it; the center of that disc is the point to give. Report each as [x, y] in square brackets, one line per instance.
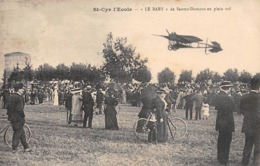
[122, 64]
[233, 75]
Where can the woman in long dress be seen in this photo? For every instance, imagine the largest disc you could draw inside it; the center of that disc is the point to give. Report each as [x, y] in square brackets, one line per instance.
[110, 111]
[56, 97]
[159, 105]
[76, 115]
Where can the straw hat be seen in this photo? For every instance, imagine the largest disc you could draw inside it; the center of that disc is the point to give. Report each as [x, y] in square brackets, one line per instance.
[75, 91]
[226, 84]
[160, 91]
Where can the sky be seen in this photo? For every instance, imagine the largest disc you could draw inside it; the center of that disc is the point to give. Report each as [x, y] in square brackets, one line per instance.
[64, 31]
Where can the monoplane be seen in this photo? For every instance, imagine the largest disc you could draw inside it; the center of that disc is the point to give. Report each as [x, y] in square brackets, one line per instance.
[187, 41]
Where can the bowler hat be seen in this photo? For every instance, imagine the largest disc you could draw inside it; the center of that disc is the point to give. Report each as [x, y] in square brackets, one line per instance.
[18, 86]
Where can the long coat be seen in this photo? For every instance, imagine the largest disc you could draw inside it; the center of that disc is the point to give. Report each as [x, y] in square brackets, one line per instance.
[225, 107]
[197, 98]
[188, 103]
[110, 113]
[162, 131]
[15, 107]
[146, 108]
[68, 101]
[250, 109]
[76, 112]
[87, 102]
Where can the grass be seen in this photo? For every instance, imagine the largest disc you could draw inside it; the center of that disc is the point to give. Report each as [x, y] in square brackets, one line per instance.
[55, 143]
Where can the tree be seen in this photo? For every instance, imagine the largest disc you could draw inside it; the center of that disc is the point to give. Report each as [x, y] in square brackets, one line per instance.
[185, 76]
[78, 71]
[94, 74]
[257, 75]
[216, 78]
[231, 75]
[142, 75]
[245, 77]
[166, 76]
[120, 60]
[62, 71]
[204, 76]
[45, 72]
[17, 74]
[28, 73]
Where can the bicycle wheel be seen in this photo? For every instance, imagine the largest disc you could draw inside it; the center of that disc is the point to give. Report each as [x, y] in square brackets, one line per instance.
[8, 135]
[177, 128]
[140, 129]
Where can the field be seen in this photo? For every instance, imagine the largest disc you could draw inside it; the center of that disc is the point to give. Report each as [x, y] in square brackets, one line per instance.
[56, 143]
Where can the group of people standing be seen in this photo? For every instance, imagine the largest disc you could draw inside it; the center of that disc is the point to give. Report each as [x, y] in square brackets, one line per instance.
[225, 125]
[199, 102]
[80, 102]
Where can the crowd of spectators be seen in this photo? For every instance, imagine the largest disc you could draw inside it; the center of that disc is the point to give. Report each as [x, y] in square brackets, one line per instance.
[178, 96]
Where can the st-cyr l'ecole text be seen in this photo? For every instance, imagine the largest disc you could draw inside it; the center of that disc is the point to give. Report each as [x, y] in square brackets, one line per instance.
[115, 9]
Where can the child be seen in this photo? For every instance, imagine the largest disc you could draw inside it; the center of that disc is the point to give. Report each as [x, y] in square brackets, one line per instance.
[205, 110]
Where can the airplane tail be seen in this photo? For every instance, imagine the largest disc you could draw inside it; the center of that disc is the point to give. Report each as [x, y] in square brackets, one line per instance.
[215, 47]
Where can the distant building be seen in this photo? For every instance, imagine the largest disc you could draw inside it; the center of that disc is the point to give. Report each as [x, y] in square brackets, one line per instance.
[12, 60]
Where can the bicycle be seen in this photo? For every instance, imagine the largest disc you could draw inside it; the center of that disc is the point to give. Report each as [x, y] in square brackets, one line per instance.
[176, 125]
[8, 134]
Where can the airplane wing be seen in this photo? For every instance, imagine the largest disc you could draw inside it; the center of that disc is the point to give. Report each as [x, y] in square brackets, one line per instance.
[181, 38]
[167, 37]
[188, 39]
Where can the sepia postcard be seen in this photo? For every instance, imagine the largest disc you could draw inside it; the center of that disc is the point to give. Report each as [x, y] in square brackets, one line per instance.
[191, 35]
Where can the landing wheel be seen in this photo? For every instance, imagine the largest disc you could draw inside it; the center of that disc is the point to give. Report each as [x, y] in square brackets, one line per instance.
[174, 48]
[170, 47]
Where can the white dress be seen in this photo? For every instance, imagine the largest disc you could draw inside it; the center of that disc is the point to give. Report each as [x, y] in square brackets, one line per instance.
[205, 109]
[56, 98]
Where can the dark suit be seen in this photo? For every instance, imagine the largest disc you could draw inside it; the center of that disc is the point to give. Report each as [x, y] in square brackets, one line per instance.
[169, 100]
[88, 103]
[197, 98]
[15, 112]
[146, 108]
[188, 105]
[250, 109]
[68, 106]
[224, 124]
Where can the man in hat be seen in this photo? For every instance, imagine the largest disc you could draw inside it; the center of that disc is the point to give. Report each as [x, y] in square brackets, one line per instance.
[15, 112]
[68, 104]
[197, 98]
[250, 109]
[88, 104]
[225, 121]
